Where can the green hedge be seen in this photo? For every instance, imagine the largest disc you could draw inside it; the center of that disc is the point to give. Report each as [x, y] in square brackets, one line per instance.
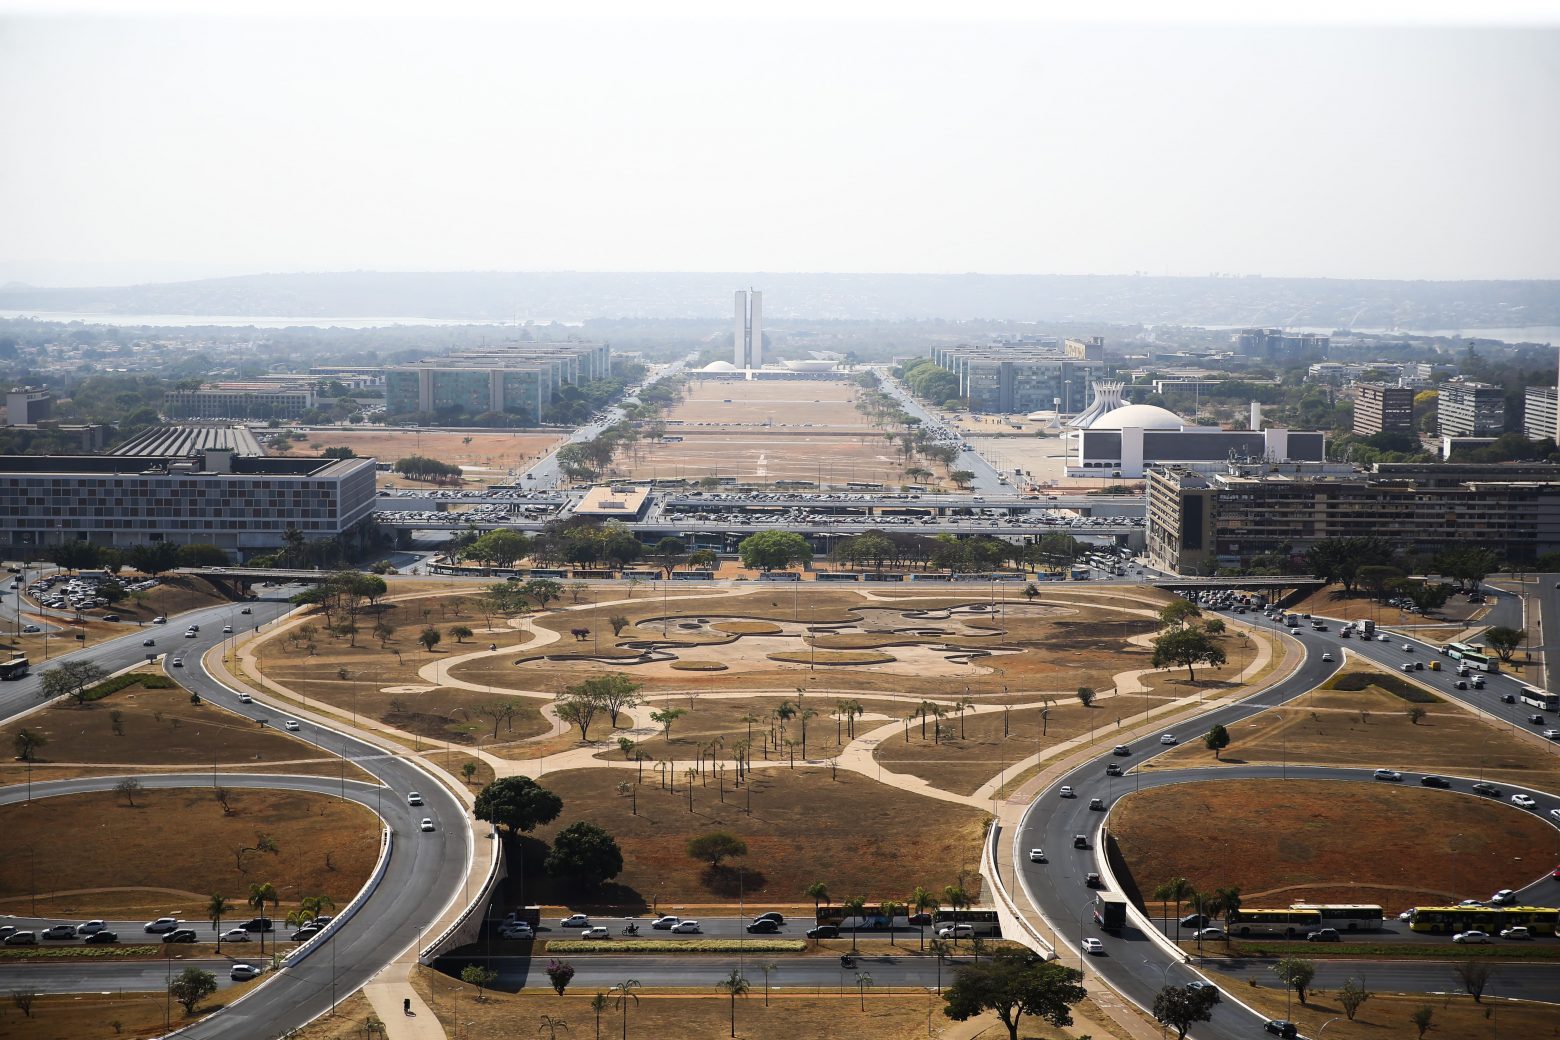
[149, 680]
[60, 953]
[674, 946]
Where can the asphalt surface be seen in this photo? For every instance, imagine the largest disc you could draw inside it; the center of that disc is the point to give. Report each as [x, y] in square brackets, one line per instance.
[987, 480]
[546, 474]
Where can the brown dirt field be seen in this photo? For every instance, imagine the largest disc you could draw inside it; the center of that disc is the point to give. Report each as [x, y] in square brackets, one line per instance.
[180, 840]
[488, 459]
[1285, 841]
[1332, 601]
[1326, 727]
[826, 403]
[1388, 1014]
[381, 685]
[771, 455]
[87, 1016]
[855, 835]
[711, 718]
[161, 729]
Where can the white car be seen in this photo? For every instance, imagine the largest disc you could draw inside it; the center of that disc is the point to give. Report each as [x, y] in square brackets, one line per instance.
[1094, 946]
[178, 662]
[90, 927]
[1522, 801]
[1066, 792]
[1503, 897]
[1037, 856]
[159, 620]
[291, 725]
[686, 928]
[235, 935]
[1388, 774]
[427, 824]
[243, 972]
[956, 931]
[413, 798]
[665, 922]
[598, 932]
[162, 924]
[1167, 738]
[244, 698]
[516, 930]
[1384, 639]
[1408, 648]
[1473, 936]
[1327, 657]
[227, 630]
[575, 921]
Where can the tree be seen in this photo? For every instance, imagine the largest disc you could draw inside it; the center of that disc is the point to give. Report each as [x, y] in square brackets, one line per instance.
[665, 717]
[1421, 1018]
[772, 550]
[500, 548]
[543, 590]
[598, 1004]
[716, 846]
[23, 999]
[1380, 578]
[429, 638]
[1414, 714]
[1178, 612]
[26, 742]
[1086, 695]
[736, 986]
[1351, 995]
[1217, 739]
[72, 679]
[1015, 983]
[216, 908]
[1296, 973]
[518, 804]
[1181, 1008]
[584, 854]
[191, 986]
[552, 1025]
[129, 787]
[460, 633]
[625, 992]
[1474, 974]
[818, 892]
[614, 691]
[668, 552]
[577, 706]
[478, 976]
[468, 770]
[703, 559]
[200, 555]
[1505, 640]
[559, 973]
[961, 477]
[1186, 646]
[1180, 890]
[855, 908]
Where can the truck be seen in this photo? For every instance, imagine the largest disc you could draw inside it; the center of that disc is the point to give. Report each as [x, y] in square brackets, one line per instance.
[1365, 627]
[1110, 912]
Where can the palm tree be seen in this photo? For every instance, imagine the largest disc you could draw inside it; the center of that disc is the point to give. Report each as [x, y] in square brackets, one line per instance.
[625, 993]
[216, 909]
[315, 906]
[854, 908]
[1178, 889]
[768, 966]
[598, 1004]
[957, 899]
[940, 949]
[1229, 903]
[863, 983]
[818, 892]
[261, 893]
[552, 1025]
[890, 910]
[737, 986]
[922, 901]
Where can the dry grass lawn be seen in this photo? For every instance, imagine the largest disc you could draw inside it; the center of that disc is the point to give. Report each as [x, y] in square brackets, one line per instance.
[91, 855]
[162, 730]
[1285, 841]
[1371, 727]
[91, 1016]
[485, 457]
[853, 834]
[725, 719]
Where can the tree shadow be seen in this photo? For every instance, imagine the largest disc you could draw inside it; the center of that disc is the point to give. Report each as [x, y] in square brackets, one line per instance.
[730, 881]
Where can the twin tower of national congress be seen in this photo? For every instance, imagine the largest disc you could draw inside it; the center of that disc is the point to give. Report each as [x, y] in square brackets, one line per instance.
[748, 340]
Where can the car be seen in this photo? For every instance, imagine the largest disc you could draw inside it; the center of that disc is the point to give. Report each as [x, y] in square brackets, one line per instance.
[1518, 931]
[90, 927]
[426, 824]
[1384, 639]
[235, 935]
[516, 930]
[1112, 769]
[227, 630]
[1324, 935]
[1092, 880]
[1508, 698]
[1408, 666]
[764, 927]
[575, 921]
[413, 798]
[1552, 734]
[1037, 856]
[1434, 781]
[23, 938]
[1537, 720]
[1093, 945]
[667, 921]
[1211, 932]
[823, 931]
[1097, 804]
[1327, 657]
[190, 633]
[1470, 902]
[1406, 915]
[1555, 813]
[31, 630]
[1486, 789]
[1460, 684]
[956, 931]
[771, 915]
[686, 928]
[1472, 936]
[1419, 666]
[246, 610]
[1408, 648]
[596, 932]
[101, 938]
[1121, 750]
[1080, 841]
[1522, 801]
[243, 972]
[1194, 921]
[1478, 683]
[1199, 986]
[258, 924]
[162, 924]
[148, 642]
[305, 933]
[159, 620]
[1387, 774]
[180, 935]
[58, 931]
[291, 725]
[178, 662]
[1281, 1028]
[1503, 897]
[1167, 738]
[1066, 792]
[111, 617]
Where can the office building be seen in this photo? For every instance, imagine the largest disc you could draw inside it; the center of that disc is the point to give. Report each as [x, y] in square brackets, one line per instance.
[1470, 409]
[515, 380]
[26, 405]
[1025, 377]
[188, 441]
[258, 399]
[241, 504]
[1539, 414]
[1126, 442]
[748, 330]
[1379, 408]
[1279, 345]
[1200, 520]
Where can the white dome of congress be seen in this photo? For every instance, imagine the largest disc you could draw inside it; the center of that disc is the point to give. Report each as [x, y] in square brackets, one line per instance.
[1138, 417]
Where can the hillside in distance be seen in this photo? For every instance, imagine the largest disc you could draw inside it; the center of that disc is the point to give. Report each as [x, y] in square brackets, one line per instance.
[577, 296]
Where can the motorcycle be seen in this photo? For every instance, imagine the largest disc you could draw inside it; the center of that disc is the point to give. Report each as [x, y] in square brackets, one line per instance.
[847, 960]
[631, 929]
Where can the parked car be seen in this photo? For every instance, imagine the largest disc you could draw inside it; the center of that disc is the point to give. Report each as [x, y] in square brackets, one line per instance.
[1093, 945]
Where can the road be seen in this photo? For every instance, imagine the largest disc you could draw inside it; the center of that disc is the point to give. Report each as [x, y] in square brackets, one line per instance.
[987, 480]
[545, 473]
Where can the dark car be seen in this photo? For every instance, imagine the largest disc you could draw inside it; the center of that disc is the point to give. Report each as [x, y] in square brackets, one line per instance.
[1324, 935]
[824, 931]
[257, 924]
[1280, 1027]
[1434, 781]
[921, 919]
[1195, 921]
[1204, 987]
[304, 934]
[1537, 720]
[773, 915]
[1486, 789]
[763, 927]
[1092, 880]
[1113, 769]
[110, 617]
[105, 936]
[180, 935]
[1121, 750]
[1507, 698]
[1080, 841]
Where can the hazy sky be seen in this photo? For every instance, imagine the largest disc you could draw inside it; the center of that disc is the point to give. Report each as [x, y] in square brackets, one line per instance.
[177, 147]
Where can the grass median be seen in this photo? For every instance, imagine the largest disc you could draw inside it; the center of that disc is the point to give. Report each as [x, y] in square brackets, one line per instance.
[677, 946]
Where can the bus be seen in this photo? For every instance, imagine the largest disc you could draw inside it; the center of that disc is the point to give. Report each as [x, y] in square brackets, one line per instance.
[981, 919]
[1287, 923]
[1540, 920]
[1346, 917]
[1539, 699]
[1472, 656]
[15, 668]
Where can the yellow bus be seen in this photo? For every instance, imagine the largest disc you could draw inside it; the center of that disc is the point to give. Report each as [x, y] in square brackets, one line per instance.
[1540, 920]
